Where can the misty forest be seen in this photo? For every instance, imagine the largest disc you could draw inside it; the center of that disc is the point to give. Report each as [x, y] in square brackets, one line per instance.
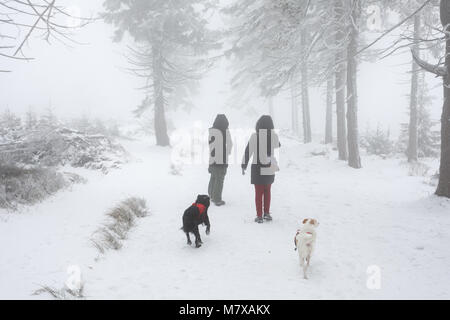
[106, 111]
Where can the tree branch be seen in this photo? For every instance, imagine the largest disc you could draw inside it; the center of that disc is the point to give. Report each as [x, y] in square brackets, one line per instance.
[438, 70]
[394, 27]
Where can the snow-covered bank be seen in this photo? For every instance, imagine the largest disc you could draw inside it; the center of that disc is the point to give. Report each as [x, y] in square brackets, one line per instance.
[376, 216]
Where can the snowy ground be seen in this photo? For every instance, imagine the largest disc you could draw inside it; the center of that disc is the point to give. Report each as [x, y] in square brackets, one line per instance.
[375, 216]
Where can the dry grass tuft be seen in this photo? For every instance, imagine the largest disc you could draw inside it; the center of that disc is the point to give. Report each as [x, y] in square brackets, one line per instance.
[60, 294]
[120, 220]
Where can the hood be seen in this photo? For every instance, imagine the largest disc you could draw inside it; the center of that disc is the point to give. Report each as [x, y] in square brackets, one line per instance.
[221, 122]
[265, 122]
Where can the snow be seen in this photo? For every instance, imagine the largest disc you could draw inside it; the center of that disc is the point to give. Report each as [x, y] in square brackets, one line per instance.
[378, 216]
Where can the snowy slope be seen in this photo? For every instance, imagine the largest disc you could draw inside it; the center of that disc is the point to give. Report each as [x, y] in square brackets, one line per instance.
[375, 216]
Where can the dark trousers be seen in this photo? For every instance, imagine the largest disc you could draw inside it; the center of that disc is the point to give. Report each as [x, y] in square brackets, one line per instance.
[216, 180]
[262, 195]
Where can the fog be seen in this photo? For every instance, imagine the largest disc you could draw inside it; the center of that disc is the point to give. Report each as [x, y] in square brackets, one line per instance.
[92, 79]
[184, 202]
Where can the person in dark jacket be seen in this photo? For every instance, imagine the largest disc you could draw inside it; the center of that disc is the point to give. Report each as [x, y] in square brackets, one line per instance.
[220, 145]
[261, 147]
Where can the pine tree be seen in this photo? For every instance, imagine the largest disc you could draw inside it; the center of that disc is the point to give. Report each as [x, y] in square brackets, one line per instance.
[428, 136]
[48, 119]
[172, 40]
[9, 121]
[31, 120]
[421, 24]
[269, 47]
[377, 142]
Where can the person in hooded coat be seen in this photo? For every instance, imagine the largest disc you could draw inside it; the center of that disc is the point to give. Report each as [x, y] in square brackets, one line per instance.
[220, 146]
[261, 147]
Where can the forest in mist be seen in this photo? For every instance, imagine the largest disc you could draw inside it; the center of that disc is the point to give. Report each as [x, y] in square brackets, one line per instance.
[94, 93]
[268, 49]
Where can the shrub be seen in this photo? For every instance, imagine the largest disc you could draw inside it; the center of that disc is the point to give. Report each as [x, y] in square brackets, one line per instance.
[377, 143]
[50, 146]
[27, 185]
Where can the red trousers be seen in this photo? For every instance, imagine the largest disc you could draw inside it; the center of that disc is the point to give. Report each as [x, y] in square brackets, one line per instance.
[262, 191]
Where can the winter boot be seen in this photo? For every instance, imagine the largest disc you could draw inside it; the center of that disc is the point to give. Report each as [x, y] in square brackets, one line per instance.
[267, 217]
[219, 203]
[259, 220]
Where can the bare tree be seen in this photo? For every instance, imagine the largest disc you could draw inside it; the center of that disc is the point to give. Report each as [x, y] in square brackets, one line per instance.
[340, 78]
[412, 150]
[270, 43]
[354, 159]
[307, 135]
[417, 32]
[442, 69]
[294, 107]
[20, 19]
[329, 112]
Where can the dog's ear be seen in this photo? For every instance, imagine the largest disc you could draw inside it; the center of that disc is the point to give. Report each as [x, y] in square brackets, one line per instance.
[305, 221]
[314, 222]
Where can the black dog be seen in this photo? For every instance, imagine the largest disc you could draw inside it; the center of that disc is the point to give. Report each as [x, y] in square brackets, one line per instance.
[195, 215]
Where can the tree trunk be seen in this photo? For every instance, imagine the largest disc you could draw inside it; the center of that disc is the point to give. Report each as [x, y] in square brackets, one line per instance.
[354, 159]
[443, 189]
[412, 152]
[329, 112]
[340, 82]
[307, 136]
[162, 138]
[294, 107]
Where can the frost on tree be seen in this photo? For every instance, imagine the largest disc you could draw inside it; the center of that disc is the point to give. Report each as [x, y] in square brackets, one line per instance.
[444, 72]
[171, 43]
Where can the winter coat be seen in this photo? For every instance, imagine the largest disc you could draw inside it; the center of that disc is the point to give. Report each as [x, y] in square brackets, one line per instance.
[262, 170]
[220, 126]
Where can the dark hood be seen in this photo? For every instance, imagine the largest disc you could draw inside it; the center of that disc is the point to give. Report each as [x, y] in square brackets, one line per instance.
[265, 122]
[221, 122]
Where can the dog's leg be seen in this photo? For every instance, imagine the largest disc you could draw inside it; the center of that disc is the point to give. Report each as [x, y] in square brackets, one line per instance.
[305, 267]
[302, 264]
[300, 258]
[189, 242]
[198, 240]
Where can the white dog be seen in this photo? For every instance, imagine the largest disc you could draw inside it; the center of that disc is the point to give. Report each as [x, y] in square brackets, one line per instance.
[304, 242]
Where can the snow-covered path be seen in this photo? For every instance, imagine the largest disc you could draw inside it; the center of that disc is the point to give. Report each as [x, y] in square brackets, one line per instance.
[375, 216]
